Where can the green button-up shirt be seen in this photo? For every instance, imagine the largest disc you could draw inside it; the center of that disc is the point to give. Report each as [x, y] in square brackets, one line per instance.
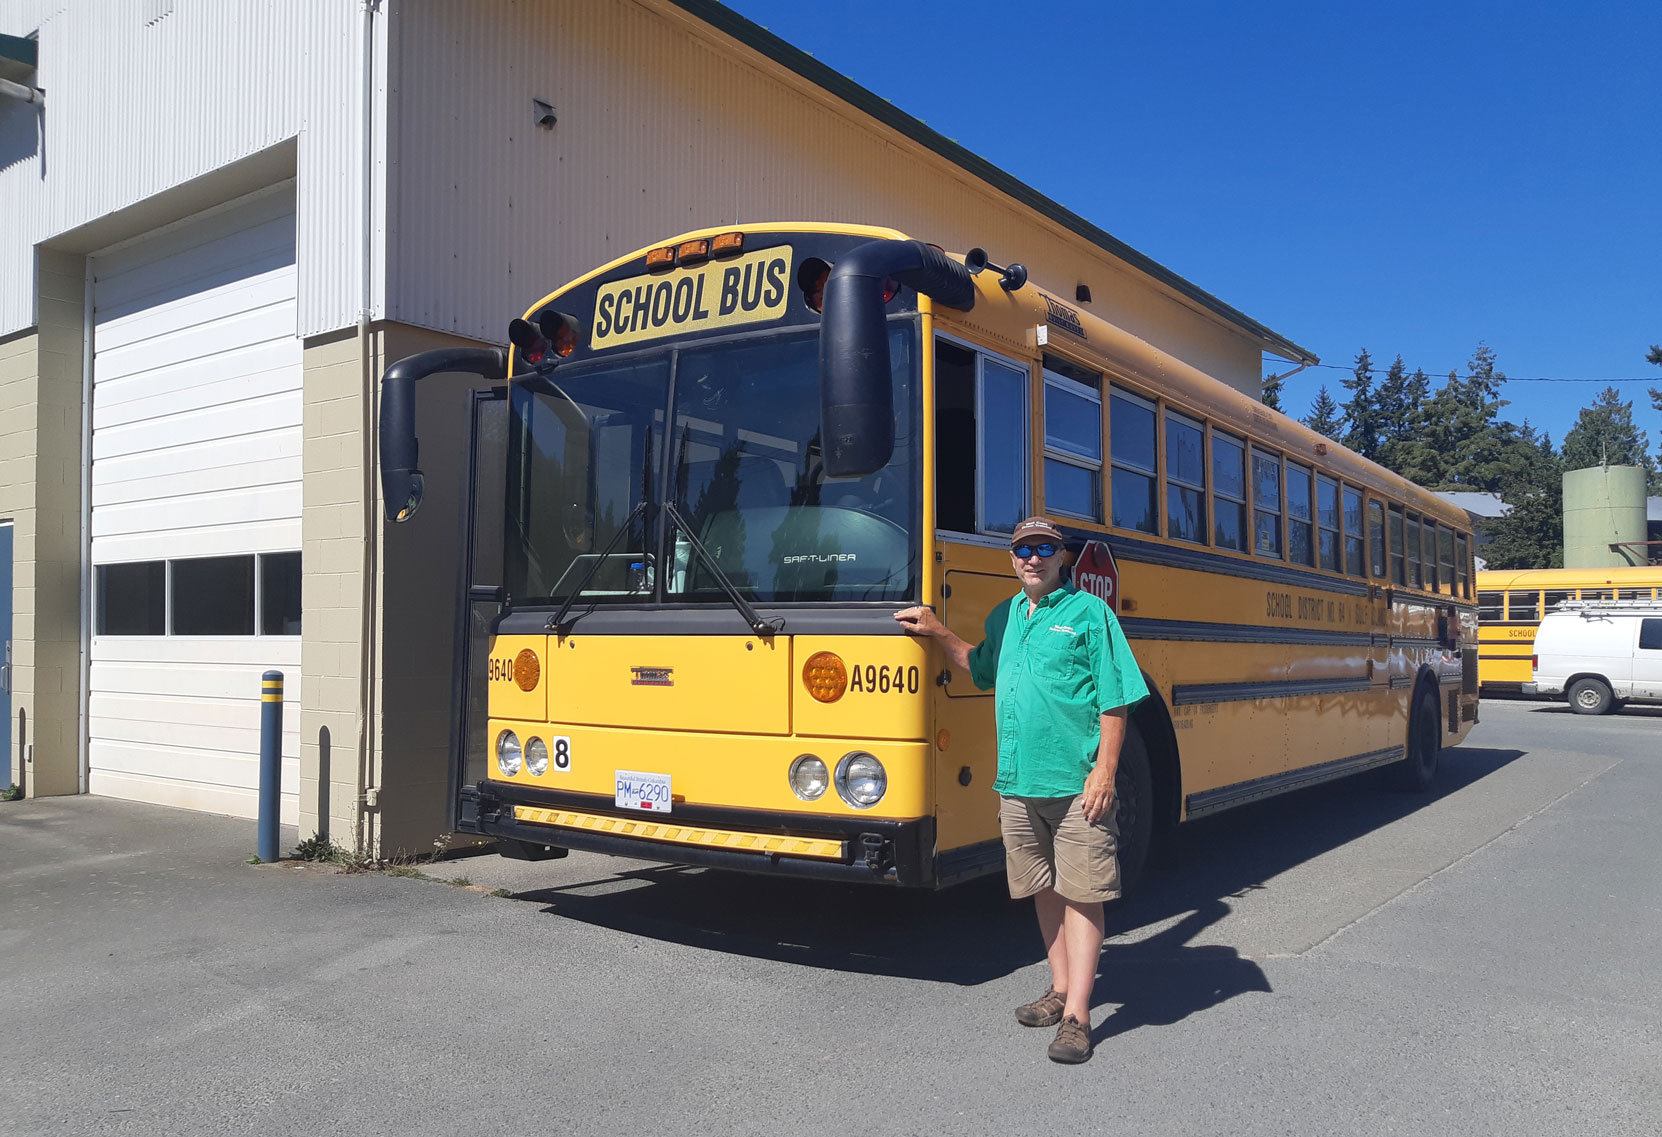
[1056, 673]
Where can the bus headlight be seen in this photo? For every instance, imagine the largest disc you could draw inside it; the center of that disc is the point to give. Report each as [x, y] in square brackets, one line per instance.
[809, 777]
[861, 779]
[536, 757]
[507, 753]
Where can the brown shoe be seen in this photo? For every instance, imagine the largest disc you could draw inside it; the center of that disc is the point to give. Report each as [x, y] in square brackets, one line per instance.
[1073, 1042]
[1046, 1010]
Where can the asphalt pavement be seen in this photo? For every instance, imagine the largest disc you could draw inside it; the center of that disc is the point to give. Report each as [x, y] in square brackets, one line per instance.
[1343, 960]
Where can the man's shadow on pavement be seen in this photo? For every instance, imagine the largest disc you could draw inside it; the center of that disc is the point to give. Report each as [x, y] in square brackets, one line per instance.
[1162, 980]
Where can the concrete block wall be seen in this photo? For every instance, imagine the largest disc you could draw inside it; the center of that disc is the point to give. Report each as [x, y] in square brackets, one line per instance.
[404, 746]
[40, 493]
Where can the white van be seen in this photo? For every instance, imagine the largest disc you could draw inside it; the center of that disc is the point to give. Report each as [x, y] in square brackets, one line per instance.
[1599, 654]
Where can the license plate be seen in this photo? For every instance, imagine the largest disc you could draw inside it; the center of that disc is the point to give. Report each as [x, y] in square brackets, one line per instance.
[648, 792]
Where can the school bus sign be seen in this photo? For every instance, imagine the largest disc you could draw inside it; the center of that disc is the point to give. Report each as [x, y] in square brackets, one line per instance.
[717, 294]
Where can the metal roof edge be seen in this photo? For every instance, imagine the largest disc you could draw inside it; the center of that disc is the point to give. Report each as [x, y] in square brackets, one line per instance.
[753, 35]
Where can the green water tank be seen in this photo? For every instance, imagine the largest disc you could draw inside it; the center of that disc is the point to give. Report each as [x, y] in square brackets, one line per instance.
[1603, 505]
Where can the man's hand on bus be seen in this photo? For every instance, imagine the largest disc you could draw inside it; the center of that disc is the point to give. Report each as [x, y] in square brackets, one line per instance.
[922, 621]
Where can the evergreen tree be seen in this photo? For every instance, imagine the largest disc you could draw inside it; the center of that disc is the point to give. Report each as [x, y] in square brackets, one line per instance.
[1391, 401]
[1324, 415]
[1531, 534]
[1361, 410]
[1271, 394]
[1605, 434]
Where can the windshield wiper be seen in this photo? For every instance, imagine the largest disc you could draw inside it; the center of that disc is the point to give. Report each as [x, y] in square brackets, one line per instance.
[557, 624]
[767, 629]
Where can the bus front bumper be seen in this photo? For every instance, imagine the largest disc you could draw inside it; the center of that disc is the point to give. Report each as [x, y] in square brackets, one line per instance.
[869, 850]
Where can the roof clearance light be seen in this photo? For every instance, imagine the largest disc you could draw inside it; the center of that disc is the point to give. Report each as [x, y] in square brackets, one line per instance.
[530, 342]
[726, 244]
[811, 279]
[661, 258]
[693, 252]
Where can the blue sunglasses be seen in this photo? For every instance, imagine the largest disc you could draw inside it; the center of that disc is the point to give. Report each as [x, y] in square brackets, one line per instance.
[1046, 549]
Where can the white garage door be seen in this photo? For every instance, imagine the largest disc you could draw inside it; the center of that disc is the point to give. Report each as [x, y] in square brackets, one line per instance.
[196, 508]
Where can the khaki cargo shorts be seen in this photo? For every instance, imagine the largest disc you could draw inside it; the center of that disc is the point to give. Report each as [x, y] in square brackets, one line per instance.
[1049, 844]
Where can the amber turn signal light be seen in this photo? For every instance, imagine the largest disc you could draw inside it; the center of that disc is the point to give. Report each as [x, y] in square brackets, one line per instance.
[723, 244]
[693, 252]
[825, 676]
[527, 671]
[661, 258]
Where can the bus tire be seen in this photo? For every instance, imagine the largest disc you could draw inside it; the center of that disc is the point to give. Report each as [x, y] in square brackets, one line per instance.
[1591, 697]
[1418, 769]
[1134, 793]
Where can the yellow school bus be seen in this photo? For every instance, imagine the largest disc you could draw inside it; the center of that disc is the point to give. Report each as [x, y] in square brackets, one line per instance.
[731, 457]
[1511, 603]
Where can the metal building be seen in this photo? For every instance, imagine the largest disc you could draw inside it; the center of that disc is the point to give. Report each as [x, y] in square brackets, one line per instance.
[220, 220]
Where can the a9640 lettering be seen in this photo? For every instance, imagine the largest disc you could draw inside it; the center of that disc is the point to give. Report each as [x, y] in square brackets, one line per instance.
[876, 679]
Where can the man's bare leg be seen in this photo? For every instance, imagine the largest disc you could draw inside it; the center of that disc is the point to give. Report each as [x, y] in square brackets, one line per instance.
[1050, 908]
[1081, 953]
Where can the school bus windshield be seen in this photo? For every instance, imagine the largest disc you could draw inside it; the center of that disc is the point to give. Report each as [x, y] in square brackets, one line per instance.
[590, 463]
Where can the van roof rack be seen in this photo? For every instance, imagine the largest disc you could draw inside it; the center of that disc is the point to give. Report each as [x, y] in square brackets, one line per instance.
[1600, 607]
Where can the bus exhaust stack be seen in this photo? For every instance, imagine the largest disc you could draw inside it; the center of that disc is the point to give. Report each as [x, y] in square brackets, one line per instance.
[856, 388]
[400, 478]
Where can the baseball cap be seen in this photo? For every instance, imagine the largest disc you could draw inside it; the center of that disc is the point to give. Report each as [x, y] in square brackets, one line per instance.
[1035, 527]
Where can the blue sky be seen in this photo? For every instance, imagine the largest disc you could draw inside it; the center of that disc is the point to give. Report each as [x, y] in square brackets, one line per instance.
[1405, 177]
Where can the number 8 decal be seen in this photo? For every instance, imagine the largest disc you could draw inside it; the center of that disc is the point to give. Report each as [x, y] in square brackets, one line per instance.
[562, 753]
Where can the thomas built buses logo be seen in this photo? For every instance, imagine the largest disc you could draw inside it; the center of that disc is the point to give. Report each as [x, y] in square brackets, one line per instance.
[653, 676]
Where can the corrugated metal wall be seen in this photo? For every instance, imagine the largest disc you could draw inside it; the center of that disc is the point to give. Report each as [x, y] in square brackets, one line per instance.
[142, 98]
[665, 126]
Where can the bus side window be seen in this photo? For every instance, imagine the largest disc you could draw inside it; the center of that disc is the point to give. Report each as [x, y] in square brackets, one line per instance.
[1523, 607]
[1462, 587]
[1327, 524]
[1229, 510]
[1073, 440]
[1445, 561]
[1555, 597]
[1490, 609]
[1266, 503]
[1428, 547]
[1399, 571]
[1301, 541]
[1354, 565]
[1185, 478]
[1376, 538]
[1414, 580]
[955, 458]
[1131, 452]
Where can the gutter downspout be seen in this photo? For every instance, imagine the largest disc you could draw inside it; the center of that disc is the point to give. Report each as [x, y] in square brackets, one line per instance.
[367, 796]
[1280, 378]
[22, 93]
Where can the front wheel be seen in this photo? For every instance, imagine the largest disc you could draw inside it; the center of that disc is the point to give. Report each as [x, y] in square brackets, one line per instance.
[1134, 791]
[1591, 697]
[1418, 770]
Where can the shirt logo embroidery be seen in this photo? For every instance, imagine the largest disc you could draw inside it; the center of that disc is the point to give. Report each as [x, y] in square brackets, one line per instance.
[1062, 628]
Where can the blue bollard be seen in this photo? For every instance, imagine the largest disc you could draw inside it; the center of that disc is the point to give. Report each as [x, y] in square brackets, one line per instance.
[271, 762]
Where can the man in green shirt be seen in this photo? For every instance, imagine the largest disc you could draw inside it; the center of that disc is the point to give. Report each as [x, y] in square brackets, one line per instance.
[1065, 682]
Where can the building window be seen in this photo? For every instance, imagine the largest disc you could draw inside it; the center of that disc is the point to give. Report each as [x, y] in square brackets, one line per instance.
[132, 599]
[200, 596]
[1132, 450]
[1266, 503]
[1073, 441]
[1353, 532]
[1185, 479]
[1229, 508]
